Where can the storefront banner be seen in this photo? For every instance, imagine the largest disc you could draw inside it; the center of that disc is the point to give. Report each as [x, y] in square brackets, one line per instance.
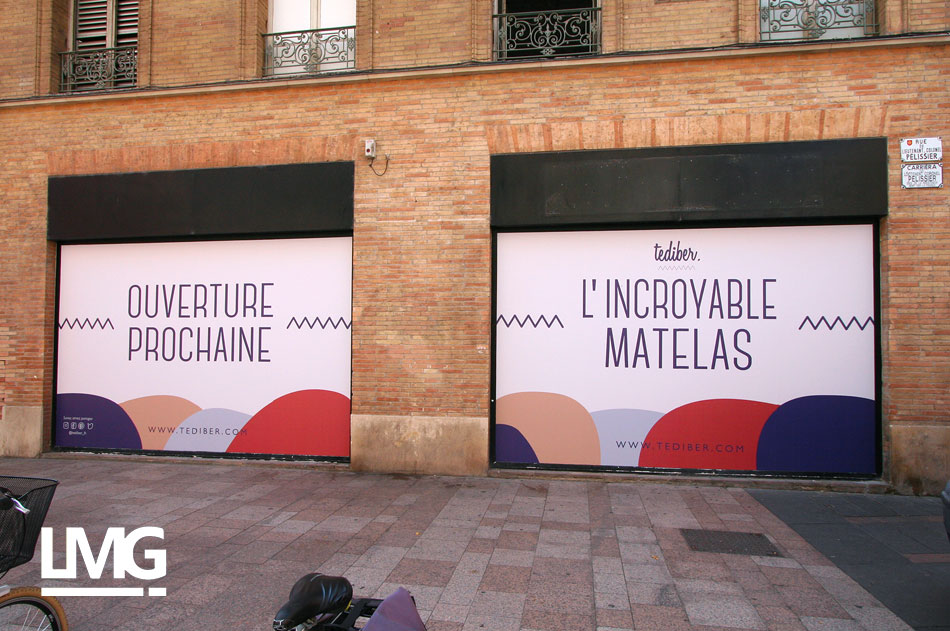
[213, 346]
[729, 348]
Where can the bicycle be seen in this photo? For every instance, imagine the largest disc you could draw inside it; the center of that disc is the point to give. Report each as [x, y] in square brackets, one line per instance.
[316, 603]
[325, 603]
[23, 506]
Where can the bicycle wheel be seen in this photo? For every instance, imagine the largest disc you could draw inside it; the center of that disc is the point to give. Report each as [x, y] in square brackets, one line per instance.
[26, 608]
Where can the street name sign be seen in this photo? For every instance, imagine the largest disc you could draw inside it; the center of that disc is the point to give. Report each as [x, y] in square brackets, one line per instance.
[922, 175]
[921, 149]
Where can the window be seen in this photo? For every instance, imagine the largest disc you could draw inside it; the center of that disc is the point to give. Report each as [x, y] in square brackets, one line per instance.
[546, 28]
[816, 19]
[104, 46]
[309, 36]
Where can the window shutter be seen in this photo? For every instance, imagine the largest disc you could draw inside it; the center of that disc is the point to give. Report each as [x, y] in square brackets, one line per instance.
[106, 24]
[92, 24]
[127, 23]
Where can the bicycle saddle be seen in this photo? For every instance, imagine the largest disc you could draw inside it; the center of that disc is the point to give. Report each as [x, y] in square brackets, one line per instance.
[313, 595]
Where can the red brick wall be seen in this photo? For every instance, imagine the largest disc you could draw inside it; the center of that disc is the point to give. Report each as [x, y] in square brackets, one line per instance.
[195, 41]
[418, 33]
[186, 42]
[926, 16]
[18, 29]
[662, 24]
[422, 243]
[25, 321]
[419, 345]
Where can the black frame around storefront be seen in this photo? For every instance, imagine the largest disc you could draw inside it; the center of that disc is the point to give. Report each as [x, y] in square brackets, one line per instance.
[717, 186]
[232, 203]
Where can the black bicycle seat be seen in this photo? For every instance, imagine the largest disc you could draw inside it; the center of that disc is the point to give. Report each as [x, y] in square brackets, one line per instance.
[313, 595]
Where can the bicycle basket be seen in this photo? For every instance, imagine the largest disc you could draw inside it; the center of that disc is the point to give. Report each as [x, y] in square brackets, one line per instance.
[18, 532]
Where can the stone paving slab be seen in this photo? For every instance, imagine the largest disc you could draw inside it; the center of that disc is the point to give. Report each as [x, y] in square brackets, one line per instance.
[896, 547]
[479, 554]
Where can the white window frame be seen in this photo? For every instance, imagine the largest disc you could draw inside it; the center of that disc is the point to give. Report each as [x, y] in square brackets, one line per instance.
[287, 16]
[323, 14]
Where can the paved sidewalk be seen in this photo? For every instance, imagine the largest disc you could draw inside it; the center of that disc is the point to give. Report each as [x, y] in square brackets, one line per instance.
[895, 546]
[477, 553]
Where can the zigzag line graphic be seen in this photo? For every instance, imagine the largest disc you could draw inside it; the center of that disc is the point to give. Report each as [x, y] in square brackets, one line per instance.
[84, 323]
[675, 268]
[838, 320]
[534, 322]
[317, 320]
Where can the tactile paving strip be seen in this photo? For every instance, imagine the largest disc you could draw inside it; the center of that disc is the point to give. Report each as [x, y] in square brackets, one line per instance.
[726, 542]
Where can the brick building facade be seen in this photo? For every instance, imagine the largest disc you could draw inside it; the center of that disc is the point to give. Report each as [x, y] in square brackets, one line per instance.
[442, 93]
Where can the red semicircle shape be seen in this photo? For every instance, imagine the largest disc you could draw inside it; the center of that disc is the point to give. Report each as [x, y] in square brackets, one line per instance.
[303, 423]
[712, 434]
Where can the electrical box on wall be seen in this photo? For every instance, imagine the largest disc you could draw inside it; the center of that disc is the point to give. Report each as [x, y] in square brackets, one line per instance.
[369, 148]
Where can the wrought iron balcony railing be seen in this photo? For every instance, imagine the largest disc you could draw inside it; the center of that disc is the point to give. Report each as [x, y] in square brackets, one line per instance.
[816, 19]
[310, 52]
[547, 33]
[100, 69]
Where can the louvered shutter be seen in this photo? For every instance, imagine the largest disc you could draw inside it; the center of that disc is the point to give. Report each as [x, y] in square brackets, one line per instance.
[127, 22]
[92, 24]
[106, 24]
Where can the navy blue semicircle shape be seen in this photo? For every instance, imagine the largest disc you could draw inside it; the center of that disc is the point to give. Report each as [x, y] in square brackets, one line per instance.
[512, 446]
[88, 420]
[822, 434]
